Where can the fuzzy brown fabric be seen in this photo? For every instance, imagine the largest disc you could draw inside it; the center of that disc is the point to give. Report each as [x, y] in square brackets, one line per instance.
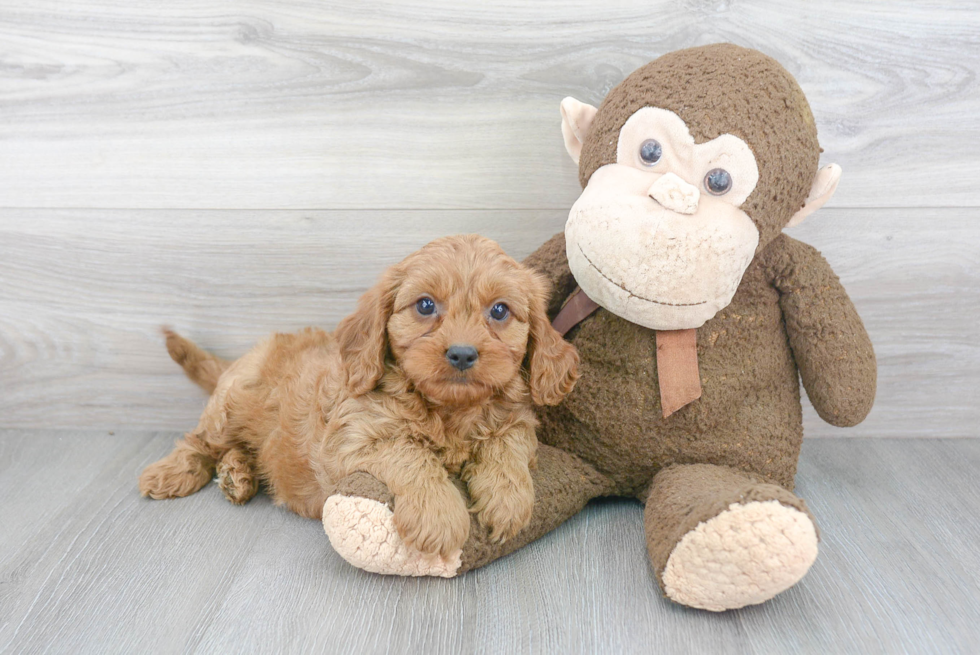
[563, 484]
[723, 89]
[831, 347]
[365, 485]
[684, 496]
[749, 416]
[789, 319]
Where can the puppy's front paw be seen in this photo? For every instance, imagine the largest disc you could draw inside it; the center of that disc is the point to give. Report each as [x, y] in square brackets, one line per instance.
[433, 520]
[236, 479]
[174, 476]
[505, 511]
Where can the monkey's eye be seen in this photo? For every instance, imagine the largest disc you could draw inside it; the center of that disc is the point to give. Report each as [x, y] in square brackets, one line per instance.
[499, 312]
[425, 306]
[717, 181]
[650, 152]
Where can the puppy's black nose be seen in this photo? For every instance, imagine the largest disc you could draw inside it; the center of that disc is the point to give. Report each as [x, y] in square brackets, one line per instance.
[462, 357]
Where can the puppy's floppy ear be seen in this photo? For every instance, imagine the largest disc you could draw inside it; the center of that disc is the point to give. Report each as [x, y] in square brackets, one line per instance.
[552, 361]
[363, 336]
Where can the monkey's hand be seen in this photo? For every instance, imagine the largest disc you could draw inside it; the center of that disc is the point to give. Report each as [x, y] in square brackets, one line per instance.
[829, 342]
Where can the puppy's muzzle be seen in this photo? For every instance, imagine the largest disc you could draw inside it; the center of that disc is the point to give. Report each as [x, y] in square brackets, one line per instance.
[462, 357]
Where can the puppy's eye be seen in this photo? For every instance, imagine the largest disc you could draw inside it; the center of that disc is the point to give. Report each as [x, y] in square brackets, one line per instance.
[499, 312]
[651, 152]
[718, 181]
[425, 306]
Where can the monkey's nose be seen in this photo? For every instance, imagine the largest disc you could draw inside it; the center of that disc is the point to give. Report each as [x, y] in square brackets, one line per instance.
[675, 194]
[462, 357]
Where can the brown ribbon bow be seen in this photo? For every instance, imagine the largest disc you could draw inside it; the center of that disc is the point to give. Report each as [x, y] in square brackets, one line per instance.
[677, 354]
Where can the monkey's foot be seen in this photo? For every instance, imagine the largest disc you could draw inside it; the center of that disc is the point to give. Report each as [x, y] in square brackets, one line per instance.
[743, 556]
[362, 531]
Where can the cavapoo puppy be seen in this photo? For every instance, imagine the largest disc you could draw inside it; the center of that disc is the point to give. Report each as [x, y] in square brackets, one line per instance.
[434, 374]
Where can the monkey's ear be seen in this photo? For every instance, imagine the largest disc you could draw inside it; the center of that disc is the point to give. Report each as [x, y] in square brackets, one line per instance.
[576, 118]
[824, 184]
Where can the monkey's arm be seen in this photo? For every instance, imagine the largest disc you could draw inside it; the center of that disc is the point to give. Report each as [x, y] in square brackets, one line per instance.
[829, 342]
[551, 261]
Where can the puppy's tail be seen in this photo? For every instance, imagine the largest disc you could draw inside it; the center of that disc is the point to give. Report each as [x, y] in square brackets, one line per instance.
[201, 367]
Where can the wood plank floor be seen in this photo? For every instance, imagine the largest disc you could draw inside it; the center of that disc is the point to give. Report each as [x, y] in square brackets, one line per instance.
[86, 565]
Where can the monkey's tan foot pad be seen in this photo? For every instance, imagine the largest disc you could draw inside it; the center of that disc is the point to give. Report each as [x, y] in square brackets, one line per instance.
[362, 531]
[744, 556]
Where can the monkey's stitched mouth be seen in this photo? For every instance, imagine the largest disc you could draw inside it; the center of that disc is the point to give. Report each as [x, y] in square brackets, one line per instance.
[633, 295]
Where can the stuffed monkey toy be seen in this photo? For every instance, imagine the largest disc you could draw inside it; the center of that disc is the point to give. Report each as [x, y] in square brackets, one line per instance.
[695, 318]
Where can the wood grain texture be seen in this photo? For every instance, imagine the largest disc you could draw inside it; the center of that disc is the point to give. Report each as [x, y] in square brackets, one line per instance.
[83, 294]
[87, 565]
[422, 104]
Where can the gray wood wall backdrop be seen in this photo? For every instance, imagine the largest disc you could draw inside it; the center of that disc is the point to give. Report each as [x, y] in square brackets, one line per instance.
[234, 168]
